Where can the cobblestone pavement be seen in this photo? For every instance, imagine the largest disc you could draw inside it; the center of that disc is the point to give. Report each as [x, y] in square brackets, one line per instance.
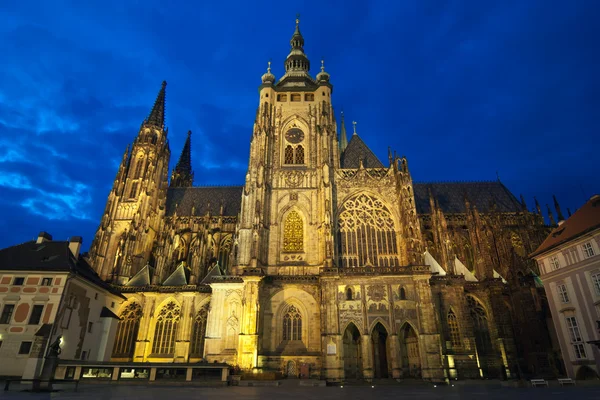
[293, 392]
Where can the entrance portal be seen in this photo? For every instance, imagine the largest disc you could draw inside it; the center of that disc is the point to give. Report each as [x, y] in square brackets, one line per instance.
[411, 359]
[379, 339]
[352, 353]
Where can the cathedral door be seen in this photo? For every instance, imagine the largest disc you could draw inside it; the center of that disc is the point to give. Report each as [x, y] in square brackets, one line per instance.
[352, 352]
[379, 339]
[292, 372]
[409, 346]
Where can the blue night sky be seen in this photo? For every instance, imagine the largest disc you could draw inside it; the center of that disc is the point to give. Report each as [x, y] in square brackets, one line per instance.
[462, 88]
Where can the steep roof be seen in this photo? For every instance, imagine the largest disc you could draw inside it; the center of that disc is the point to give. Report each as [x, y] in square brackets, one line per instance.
[451, 196]
[49, 256]
[584, 220]
[357, 150]
[204, 199]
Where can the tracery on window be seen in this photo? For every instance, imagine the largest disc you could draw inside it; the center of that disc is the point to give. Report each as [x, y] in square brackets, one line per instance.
[127, 331]
[453, 329]
[133, 193]
[224, 251]
[367, 234]
[198, 333]
[480, 326]
[167, 323]
[299, 155]
[289, 155]
[293, 233]
[292, 324]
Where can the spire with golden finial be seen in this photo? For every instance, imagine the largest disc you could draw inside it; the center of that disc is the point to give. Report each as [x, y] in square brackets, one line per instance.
[322, 77]
[268, 77]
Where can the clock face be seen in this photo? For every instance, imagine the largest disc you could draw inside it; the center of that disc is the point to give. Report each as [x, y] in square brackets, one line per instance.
[294, 135]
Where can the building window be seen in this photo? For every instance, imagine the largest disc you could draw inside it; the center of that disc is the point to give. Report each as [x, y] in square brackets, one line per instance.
[296, 97]
[402, 293]
[299, 155]
[288, 155]
[19, 281]
[579, 349]
[198, 333]
[25, 348]
[367, 235]
[138, 167]
[292, 324]
[282, 97]
[309, 97]
[165, 332]
[36, 314]
[596, 282]
[554, 263]
[90, 327]
[7, 313]
[133, 192]
[573, 329]
[293, 233]
[588, 251]
[127, 331]
[453, 329]
[46, 281]
[349, 293]
[562, 293]
[224, 252]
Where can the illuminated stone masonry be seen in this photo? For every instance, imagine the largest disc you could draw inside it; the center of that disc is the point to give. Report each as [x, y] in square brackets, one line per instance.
[325, 263]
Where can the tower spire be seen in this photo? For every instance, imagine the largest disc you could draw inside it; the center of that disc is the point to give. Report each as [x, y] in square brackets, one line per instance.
[559, 213]
[343, 136]
[297, 61]
[182, 175]
[550, 216]
[537, 206]
[157, 115]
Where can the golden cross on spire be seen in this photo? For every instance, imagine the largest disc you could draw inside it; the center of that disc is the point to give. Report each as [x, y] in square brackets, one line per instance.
[354, 124]
[322, 65]
[297, 18]
[269, 67]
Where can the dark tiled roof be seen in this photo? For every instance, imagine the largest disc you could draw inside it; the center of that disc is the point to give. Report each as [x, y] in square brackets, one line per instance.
[584, 220]
[106, 313]
[50, 256]
[204, 199]
[451, 196]
[357, 150]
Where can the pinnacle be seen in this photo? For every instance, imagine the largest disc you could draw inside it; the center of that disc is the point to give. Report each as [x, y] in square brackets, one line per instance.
[157, 115]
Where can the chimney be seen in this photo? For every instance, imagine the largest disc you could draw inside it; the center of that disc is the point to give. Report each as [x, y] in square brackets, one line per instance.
[43, 237]
[75, 245]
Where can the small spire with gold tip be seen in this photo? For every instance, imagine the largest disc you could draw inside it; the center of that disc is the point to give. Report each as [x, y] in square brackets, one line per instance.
[354, 125]
[268, 77]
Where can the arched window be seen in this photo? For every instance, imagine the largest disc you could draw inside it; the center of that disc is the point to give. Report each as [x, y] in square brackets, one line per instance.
[224, 251]
[292, 324]
[127, 331]
[198, 333]
[480, 326]
[349, 295]
[138, 167]
[299, 155]
[133, 192]
[367, 234]
[167, 323]
[402, 293]
[453, 329]
[289, 155]
[293, 233]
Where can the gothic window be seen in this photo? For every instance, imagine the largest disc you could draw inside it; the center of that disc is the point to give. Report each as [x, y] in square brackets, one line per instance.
[198, 332]
[133, 192]
[349, 293]
[138, 167]
[402, 293]
[299, 155]
[367, 235]
[292, 324]
[289, 155]
[453, 329]
[224, 251]
[293, 233]
[480, 326]
[167, 323]
[127, 331]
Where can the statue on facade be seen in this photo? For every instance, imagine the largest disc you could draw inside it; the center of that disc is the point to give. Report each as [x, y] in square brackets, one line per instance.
[54, 349]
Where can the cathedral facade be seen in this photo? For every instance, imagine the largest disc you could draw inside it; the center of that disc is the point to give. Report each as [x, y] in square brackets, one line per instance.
[326, 262]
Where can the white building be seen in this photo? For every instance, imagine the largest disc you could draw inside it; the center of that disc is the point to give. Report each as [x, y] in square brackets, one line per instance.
[569, 261]
[47, 289]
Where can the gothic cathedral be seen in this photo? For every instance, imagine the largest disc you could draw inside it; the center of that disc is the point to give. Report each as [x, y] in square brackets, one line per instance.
[326, 263]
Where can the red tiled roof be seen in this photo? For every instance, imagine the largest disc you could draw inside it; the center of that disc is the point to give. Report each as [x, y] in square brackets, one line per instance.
[585, 220]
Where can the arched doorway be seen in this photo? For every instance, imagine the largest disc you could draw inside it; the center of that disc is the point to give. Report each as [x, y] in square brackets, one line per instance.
[379, 339]
[409, 346]
[586, 373]
[483, 342]
[352, 352]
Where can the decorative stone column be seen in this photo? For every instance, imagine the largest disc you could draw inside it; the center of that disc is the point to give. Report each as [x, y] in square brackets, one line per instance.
[395, 361]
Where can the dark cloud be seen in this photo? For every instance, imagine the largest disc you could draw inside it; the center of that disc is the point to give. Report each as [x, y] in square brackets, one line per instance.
[466, 90]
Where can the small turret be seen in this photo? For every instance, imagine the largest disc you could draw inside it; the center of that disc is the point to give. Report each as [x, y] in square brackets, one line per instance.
[182, 175]
[559, 213]
[343, 136]
[550, 216]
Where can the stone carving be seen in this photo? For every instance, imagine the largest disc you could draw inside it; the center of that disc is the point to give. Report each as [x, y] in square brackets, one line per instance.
[376, 293]
[293, 178]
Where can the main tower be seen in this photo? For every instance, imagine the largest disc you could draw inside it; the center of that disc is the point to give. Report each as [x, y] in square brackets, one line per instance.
[285, 220]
